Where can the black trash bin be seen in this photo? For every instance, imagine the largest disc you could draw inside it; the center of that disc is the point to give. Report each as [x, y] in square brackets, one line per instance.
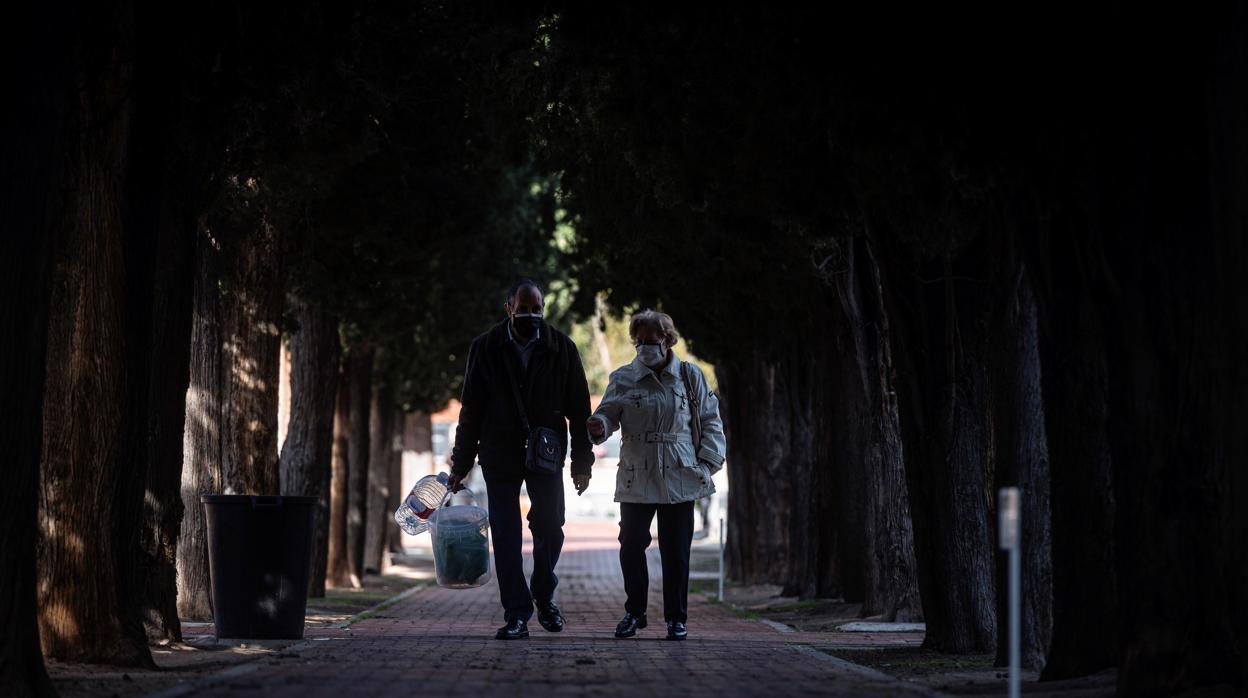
[259, 557]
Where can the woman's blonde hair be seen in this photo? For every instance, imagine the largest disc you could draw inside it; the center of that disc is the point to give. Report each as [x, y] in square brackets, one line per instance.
[652, 319]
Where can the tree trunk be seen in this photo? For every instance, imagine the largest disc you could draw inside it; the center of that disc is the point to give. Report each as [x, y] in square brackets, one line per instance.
[37, 54]
[24, 277]
[1174, 244]
[824, 549]
[1228, 154]
[406, 431]
[320, 554]
[230, 438]
[381, 439]
[361, 386]
[305, 461]
[868, 435]
[338, 572]
[1085, 595]
[251, 321]
[597, 322]
[812, 517]
[163, 364]
[1021, 459]
[92, 488]
[758, 519]
[1167, 396]
[164, 202]
[283, 395]
[943, 389]
[202, 456]
[788, 517]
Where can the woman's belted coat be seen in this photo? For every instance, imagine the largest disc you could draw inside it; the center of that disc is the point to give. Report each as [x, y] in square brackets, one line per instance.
[659, 462]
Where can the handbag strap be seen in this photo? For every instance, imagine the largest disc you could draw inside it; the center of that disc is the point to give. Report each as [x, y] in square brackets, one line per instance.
[515, 392]
[695, 406]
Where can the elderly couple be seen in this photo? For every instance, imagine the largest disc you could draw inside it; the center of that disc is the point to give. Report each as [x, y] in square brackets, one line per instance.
[673, 442]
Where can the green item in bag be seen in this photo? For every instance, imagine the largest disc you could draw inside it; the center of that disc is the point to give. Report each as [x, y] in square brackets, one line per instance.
[461, 547]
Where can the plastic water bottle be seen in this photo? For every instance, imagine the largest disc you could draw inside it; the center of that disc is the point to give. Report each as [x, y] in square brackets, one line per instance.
[428, 493]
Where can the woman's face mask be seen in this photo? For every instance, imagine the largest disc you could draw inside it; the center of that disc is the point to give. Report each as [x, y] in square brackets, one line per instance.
[651, 354]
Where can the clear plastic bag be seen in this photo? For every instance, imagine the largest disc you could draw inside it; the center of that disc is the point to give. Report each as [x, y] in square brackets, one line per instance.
[461, 546]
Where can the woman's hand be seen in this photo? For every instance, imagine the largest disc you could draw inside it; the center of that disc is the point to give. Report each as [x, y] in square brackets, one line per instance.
[594, 425]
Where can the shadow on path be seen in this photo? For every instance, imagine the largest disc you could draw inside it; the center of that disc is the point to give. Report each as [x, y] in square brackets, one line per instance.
[440, 641]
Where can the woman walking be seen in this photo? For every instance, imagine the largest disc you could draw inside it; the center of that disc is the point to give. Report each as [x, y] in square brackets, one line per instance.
[672, 443]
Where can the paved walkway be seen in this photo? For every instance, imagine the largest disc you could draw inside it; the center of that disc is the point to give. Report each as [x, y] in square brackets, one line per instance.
[440, 642]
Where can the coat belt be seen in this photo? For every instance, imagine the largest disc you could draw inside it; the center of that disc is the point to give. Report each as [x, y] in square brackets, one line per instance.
[667, 437]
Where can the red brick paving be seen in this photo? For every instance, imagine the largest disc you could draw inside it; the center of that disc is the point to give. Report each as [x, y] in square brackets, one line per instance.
[440, 642]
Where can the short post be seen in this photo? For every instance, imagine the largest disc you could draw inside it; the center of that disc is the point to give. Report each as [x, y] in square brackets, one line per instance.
[721, 559]
[1008, 529]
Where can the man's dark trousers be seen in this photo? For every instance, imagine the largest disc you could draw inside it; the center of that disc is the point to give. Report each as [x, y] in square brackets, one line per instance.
[545, 523]
[675, 537]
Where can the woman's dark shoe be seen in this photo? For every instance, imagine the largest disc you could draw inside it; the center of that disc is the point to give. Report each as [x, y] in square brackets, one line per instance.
[676, 630]
[514, 630]
[549, 616]
[630, 625]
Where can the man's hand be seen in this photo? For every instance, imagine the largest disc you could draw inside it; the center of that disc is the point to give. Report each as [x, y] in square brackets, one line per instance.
[594, 425]
[455, 483]
[581, 482]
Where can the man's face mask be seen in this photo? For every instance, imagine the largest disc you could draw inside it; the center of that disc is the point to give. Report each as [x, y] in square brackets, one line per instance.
[651, 354]
[527, 323]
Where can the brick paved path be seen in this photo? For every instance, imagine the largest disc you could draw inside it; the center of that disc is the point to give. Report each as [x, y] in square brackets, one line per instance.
[440, 642]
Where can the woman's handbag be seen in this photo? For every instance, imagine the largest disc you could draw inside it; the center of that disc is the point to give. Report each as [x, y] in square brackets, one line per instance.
[542, 452]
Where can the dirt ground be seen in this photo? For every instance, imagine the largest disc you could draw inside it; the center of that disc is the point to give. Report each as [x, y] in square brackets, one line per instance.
[952, 674]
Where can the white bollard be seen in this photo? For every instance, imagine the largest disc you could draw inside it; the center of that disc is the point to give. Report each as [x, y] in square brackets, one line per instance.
[721, 559]
[1009, 533]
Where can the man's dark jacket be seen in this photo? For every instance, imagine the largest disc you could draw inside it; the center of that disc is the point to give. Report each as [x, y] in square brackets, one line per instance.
[554, 390]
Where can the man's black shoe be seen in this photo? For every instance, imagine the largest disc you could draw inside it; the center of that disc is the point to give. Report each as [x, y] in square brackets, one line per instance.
[549, 616]
[514, 630]
[676, 630]
[630, 625]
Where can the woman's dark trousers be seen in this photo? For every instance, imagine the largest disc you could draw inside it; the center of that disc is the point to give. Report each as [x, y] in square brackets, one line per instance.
[675, 537]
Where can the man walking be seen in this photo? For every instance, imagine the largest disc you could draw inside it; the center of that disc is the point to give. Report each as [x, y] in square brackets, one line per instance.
[519, 362]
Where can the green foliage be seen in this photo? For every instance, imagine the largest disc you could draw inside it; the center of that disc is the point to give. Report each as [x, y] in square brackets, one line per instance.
[604, 345]
[673, 140]
[369, 135]
[714, 162]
